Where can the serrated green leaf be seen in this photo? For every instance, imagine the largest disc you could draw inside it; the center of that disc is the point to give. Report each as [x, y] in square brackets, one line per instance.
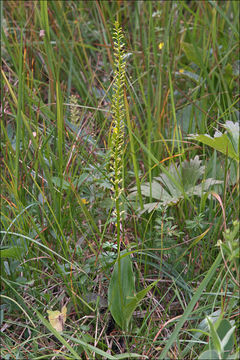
[228, 144]
[169, 192]
[11, 252]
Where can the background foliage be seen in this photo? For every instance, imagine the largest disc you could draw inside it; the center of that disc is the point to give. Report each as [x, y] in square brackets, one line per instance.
[179, 174]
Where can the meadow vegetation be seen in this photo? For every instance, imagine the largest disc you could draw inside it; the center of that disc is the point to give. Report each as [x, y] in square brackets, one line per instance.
[119, 180]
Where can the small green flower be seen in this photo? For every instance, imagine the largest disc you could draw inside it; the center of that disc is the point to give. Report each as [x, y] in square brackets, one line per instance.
[117, 135]
[117, 139]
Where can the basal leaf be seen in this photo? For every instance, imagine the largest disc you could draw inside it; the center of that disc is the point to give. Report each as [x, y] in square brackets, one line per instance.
[226, 334]
[122, 299]
[132, 305]
[121, 290]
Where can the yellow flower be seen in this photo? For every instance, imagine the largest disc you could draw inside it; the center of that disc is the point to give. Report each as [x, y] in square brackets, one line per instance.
[85, 201]
[181, 71]
[161, 45]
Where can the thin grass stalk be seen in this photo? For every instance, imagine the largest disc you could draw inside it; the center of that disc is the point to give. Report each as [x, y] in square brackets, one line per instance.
[60, 129]
[19, 118]
[133, 153]
[49, 51]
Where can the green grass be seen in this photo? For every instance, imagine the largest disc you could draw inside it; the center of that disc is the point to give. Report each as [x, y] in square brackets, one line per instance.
[59, 239]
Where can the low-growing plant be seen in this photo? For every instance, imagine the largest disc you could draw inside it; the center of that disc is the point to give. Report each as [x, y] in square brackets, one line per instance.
[180, 182]
[221, 340]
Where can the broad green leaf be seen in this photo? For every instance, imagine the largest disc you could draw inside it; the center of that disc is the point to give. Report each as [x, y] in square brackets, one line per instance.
[214, 335]
[220, 143]
[233, 130]
[122, 299]
[222, 339]
[228, 340]
[202, 330]
[209, 355]
[121, 290]
[225, 332]
[228, 144]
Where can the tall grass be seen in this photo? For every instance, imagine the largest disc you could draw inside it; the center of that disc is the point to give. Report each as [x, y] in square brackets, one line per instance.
[58, 235]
